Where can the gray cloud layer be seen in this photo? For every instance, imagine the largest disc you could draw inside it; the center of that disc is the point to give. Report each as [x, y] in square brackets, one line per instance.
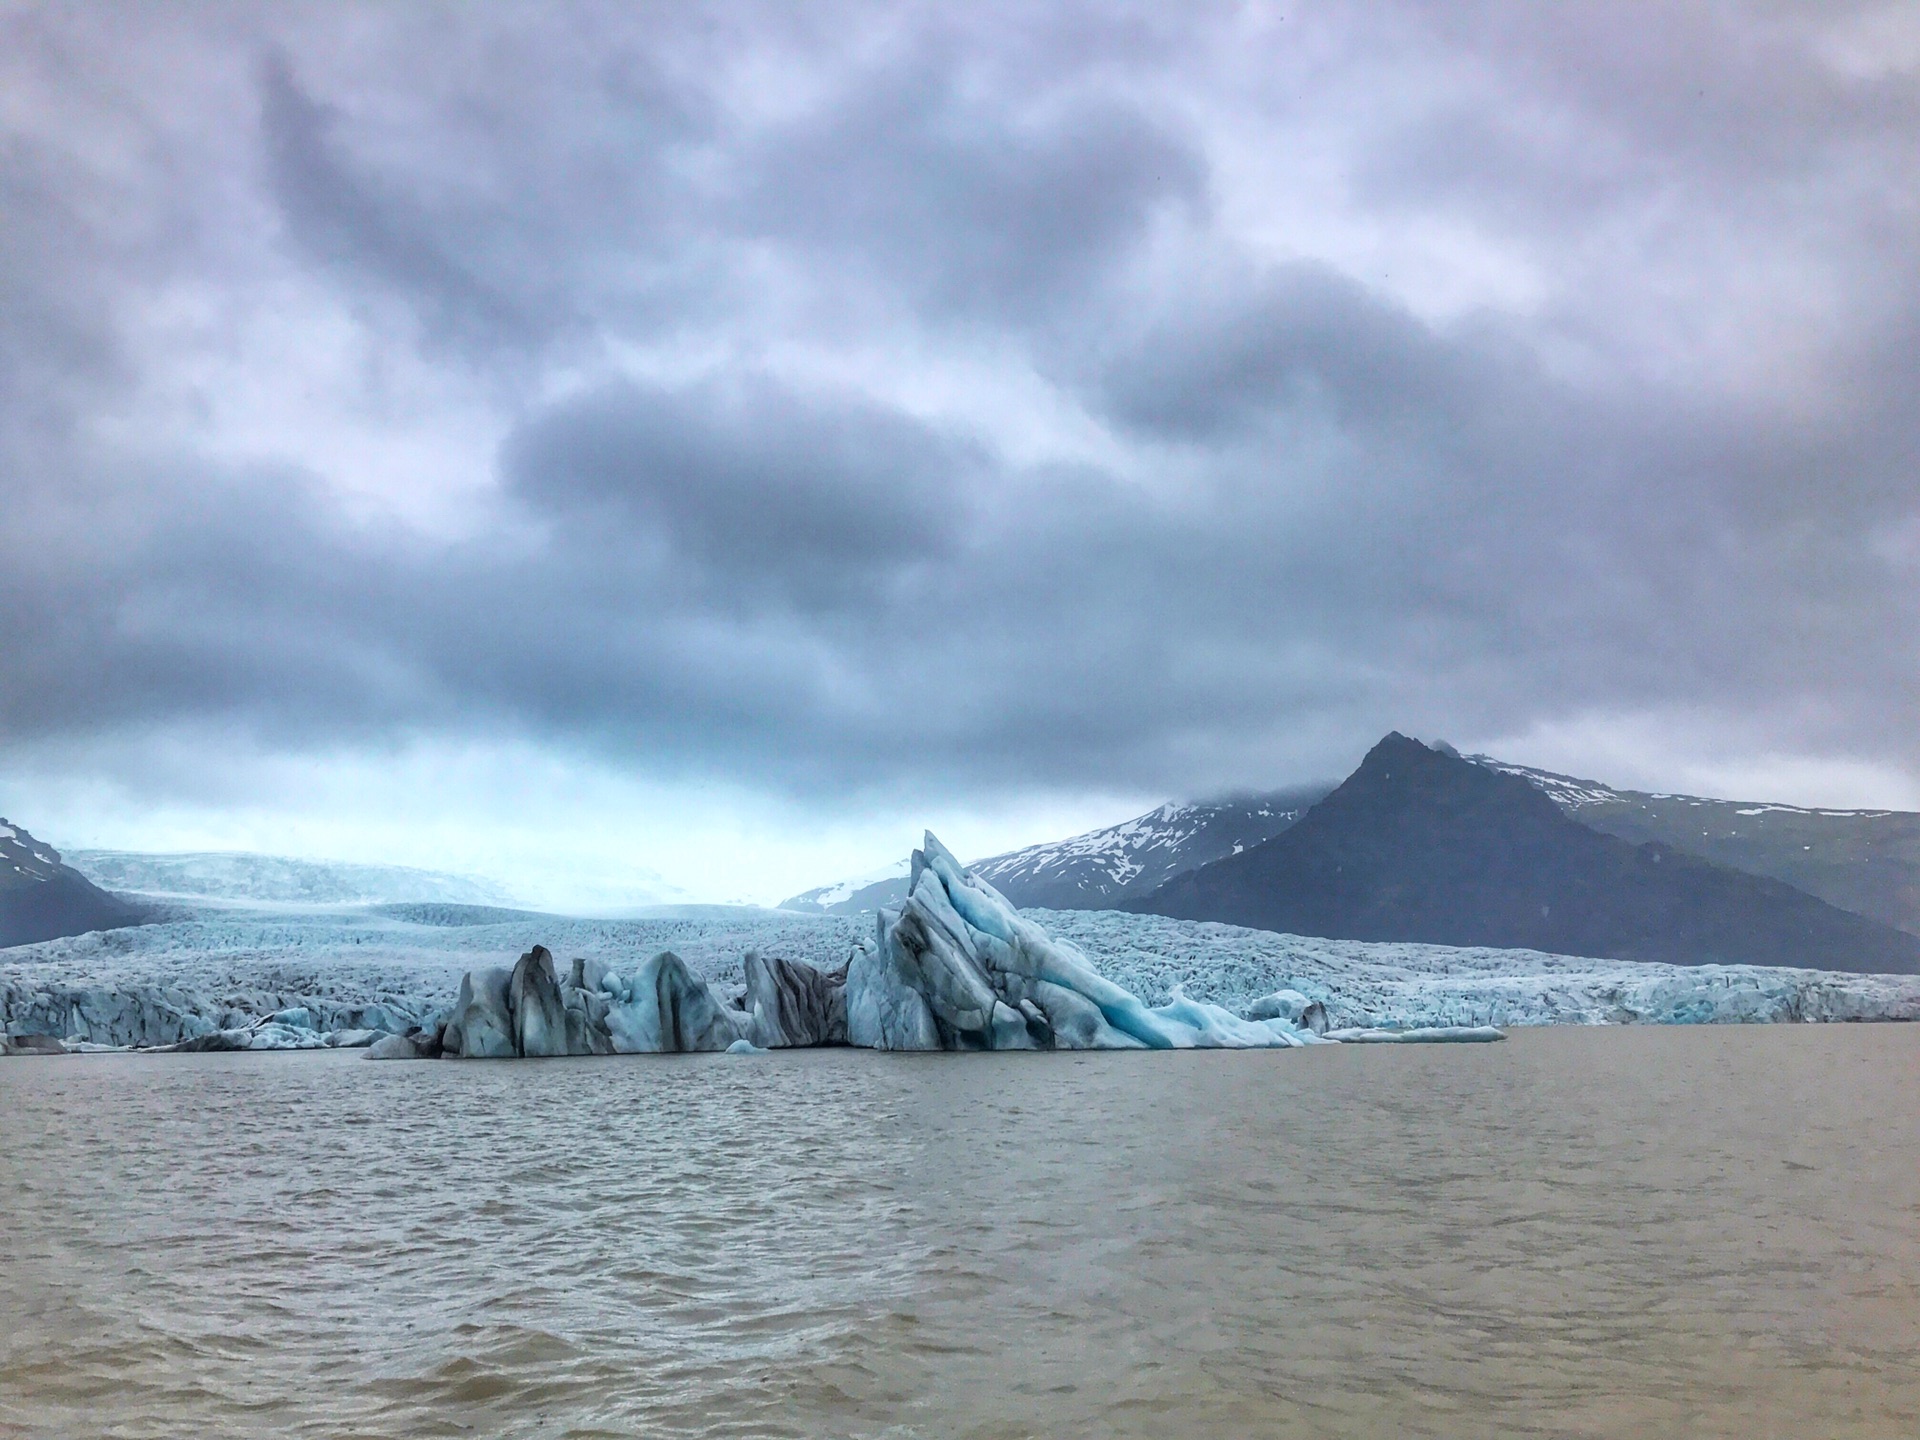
[957, 396]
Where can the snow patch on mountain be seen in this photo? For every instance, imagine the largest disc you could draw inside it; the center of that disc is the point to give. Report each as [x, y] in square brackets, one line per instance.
[1571, 793]
[1566, 791]
[833, 899]
[1118, 853]
[23, 859]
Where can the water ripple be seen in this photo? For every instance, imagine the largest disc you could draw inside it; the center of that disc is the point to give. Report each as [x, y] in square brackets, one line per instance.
[1579, 1233]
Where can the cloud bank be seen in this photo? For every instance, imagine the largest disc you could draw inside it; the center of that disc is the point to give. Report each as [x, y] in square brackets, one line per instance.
[857, 402]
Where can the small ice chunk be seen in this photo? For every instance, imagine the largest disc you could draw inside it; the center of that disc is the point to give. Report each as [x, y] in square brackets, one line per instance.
[394, 1047]
[1424, 1035]
[1288, 1005]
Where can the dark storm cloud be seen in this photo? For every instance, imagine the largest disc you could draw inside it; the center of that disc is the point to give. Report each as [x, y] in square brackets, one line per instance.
[1299, 338]
[749, 483]
[770, 311]
[965, 203]
[341, 219]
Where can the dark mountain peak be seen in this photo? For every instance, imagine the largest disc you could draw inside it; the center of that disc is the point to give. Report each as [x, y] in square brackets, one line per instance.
[1409, 763]
[1420, 763]
[1420, 844]
[42, 899]
[1402, 783]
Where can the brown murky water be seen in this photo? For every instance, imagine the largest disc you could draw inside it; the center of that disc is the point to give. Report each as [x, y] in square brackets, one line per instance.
[1581, 1233]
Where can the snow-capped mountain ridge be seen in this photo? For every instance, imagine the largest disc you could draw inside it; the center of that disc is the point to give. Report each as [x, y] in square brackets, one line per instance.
[24, 858]
[826, 897]
[1101, 867]
[1867, 861]
[1421, 845]
[1570, 793]
[1120, 852]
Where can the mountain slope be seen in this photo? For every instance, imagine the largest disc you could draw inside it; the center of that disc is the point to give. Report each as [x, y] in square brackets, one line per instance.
[1099, 869]
[1867, 861]
[43, 899]
[1424, 846]
[1095, 870]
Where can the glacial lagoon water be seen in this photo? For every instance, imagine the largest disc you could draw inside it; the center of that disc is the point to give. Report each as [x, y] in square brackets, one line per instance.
[1581, 1232]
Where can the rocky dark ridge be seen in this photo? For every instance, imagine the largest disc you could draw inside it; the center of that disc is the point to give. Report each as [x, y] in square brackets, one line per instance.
[1421, 845]
[1867, 861]
[43, 899]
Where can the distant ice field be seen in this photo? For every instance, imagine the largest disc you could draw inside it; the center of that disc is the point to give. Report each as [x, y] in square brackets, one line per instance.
[259, 959]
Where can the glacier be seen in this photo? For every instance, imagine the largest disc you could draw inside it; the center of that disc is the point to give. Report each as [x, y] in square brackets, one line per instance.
[221, 875]
[229, 976]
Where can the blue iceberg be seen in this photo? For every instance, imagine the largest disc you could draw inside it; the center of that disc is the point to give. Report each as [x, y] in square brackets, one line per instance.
[954, 968]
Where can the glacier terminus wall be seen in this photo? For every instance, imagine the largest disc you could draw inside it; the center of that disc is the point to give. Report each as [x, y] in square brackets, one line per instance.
[952, 965]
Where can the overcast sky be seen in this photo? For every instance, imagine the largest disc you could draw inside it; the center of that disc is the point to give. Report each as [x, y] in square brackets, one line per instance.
[684, 450]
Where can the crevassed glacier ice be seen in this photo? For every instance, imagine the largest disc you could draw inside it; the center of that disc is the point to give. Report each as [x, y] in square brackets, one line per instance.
[1404, 985]
[226, 969]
